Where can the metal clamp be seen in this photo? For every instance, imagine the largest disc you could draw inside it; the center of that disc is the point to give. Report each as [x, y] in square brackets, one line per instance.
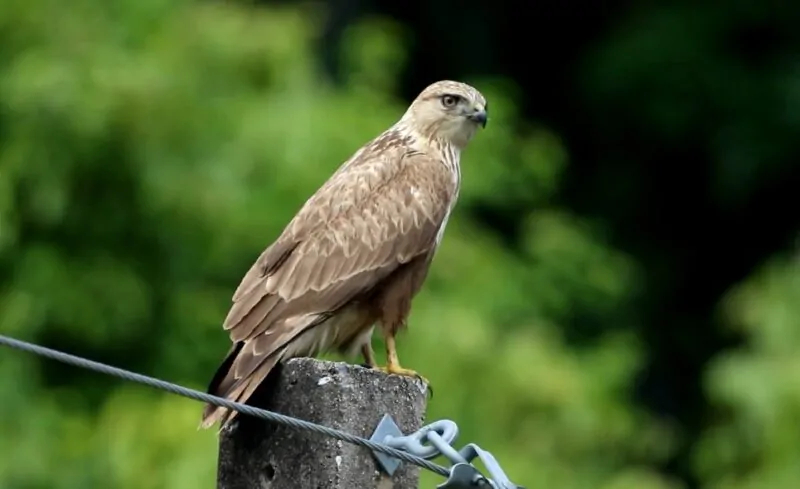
[436, 439]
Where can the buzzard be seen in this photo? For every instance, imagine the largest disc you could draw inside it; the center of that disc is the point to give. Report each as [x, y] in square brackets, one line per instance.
[356, 253]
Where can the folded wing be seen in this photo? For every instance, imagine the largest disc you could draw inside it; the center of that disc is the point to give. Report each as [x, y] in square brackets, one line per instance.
[372, 216]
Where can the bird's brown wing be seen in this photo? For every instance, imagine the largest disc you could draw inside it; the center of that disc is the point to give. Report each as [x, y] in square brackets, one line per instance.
[372, 216]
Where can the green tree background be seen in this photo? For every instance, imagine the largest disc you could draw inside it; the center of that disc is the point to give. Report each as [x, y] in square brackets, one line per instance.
[150, 149]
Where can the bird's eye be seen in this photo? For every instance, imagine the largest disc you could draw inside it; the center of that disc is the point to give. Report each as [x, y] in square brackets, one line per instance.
[449, 100]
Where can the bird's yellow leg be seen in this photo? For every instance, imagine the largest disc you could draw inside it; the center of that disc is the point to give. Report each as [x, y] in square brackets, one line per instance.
[393, 363]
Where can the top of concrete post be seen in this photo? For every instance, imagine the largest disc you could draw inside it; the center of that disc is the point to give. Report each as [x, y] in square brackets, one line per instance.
[255, 454]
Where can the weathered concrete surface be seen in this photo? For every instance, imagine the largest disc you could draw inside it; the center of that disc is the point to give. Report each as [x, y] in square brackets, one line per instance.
[255, 454]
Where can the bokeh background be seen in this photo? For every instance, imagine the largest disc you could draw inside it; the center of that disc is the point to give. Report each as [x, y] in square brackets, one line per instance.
[616, 304]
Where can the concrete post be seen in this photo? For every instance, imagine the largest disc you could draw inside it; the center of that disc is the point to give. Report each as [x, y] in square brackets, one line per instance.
[255, 454]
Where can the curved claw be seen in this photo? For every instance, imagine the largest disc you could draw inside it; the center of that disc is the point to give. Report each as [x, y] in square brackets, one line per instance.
[428, 386]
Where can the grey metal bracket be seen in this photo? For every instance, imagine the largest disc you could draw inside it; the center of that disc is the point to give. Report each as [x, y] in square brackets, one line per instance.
[387, 429]
[464, 476]
[436, 439]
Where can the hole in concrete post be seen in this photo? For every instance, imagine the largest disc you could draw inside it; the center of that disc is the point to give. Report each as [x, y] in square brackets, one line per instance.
[269, 472]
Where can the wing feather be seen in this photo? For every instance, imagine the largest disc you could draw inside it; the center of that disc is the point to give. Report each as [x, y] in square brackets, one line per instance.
[375, 214]
[342, 232]
[344, 246]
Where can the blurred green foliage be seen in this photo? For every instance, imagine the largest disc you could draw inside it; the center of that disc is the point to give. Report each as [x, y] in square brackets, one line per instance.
[756, 390]
[150, 149]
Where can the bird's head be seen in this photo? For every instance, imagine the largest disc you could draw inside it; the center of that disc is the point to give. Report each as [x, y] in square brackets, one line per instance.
[448, 110]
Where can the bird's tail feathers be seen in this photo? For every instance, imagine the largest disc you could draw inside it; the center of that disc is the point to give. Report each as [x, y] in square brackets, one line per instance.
[254, 368]
[239, 392]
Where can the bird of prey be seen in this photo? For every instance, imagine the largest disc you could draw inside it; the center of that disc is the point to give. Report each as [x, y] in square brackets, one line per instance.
[356, 253]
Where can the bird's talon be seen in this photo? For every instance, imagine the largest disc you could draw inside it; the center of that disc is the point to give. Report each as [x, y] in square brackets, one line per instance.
[428, 385]
[397, 370]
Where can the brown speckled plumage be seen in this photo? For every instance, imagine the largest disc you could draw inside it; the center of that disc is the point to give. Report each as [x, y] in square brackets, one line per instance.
[358, 250]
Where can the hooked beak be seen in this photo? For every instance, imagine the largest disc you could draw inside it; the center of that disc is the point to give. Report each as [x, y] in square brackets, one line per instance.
[479, 117]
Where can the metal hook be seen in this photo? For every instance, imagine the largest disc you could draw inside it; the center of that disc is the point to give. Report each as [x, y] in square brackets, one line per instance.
[436, 439]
